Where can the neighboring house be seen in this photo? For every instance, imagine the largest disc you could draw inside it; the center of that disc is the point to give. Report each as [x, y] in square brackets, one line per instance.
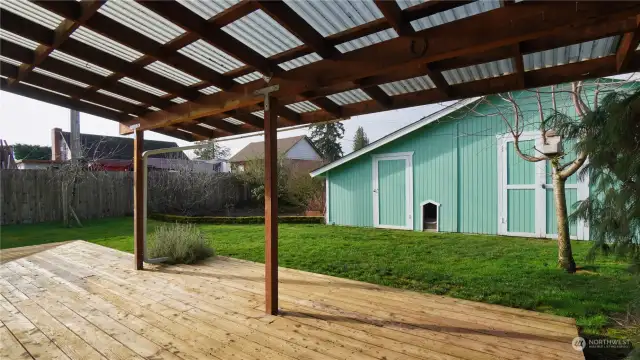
[29, 164]
[113, 153]
[454, 171]
[297, 151]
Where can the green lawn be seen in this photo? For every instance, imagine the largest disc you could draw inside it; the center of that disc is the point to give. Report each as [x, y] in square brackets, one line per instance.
[500, 270]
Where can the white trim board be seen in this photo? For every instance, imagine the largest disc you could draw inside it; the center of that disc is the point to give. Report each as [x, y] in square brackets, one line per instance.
[540, 187]
[395, 135]
[408, 158]
[437, 204]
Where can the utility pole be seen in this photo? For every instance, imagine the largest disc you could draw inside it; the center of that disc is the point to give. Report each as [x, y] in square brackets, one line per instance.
[76, 151]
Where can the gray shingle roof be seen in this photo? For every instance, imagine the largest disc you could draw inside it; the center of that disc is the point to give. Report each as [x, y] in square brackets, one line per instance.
[255, 150]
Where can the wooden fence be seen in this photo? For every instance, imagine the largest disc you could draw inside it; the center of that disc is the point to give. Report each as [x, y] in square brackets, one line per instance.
[34, 196]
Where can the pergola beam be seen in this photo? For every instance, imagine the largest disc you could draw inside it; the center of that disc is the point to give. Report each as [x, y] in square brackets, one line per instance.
[588, 69]
[291, 21]
[114, 30]
[85, 9]
[191, 22]
[329, 106]
[60, 100]
[56, 66]
[47, 82]
[392, 12]
[379, 96]
[487, 31]
[626, 50]
[427, 8]
[518, 65]
[432, 7]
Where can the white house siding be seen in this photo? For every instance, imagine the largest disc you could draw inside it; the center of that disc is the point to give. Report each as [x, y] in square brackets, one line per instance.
[303, 151]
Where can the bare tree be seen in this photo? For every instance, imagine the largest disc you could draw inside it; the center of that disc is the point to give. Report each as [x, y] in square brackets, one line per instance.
[577, 100]
[179, 188]
[75, 172]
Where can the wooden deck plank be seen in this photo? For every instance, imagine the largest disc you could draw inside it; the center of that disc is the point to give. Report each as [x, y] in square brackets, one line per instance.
[10, 347]
[239, 344]
[11, 254]
[497, 351]
[32, 339]
[517, 340]
[209, 309]
[85, 297]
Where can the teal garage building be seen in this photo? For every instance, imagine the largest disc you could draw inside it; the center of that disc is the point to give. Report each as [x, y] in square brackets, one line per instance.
[454, 171]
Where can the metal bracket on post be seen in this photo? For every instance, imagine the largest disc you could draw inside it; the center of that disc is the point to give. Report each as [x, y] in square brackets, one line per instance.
[266, 91]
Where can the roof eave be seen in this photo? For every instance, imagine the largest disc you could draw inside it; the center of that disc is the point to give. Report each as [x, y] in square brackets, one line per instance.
[395, 135]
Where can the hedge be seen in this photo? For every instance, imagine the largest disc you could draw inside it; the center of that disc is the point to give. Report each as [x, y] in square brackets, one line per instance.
[236, 220]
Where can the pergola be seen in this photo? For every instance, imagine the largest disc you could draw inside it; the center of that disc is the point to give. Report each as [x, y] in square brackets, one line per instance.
[210, 69]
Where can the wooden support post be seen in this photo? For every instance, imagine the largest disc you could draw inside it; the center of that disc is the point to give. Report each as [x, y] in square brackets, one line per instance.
[138, 205]
[271, 204]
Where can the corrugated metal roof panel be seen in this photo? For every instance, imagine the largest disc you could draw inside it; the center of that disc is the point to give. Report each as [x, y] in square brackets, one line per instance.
[142, 20]
[208, 55]
[263, 34]
[478, 72]
[17, 39]
[33, 12]
[259, 114]
[57, 54]
[178, 100]
[105, 44]
[407, 86]
[349, 97]
[403, 4]
[172, 73]
[570, 54]
[144, 87]
[233, 121]
[331, 17]
[303, 106]
[207, 8]
[209, 90]
[458, 13]
[60, 77]
[10, 61]
[208, 126]
[368, 40]
[301, 61]
[100, 105]
[153, 108]
[123, 98]
[248, 78]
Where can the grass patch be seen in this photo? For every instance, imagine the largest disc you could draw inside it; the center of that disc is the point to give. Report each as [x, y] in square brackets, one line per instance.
[509, 271]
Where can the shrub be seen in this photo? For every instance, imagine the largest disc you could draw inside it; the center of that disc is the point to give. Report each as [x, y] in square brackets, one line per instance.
[181, 243]
[236, 220]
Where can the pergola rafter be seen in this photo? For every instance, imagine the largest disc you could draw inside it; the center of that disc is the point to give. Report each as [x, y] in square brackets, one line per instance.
[368, 83]
[85, 10]
[396, 54]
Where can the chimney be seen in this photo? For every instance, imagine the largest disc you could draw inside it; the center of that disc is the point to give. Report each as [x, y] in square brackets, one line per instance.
[56, 135]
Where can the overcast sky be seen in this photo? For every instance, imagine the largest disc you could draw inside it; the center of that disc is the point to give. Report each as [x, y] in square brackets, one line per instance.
[23, 120]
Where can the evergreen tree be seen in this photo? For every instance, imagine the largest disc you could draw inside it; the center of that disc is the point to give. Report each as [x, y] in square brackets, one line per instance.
[360, 139]
[31, 152]
[610, 136]
[326, 138]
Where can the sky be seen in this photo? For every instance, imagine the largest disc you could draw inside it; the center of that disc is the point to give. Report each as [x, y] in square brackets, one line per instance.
[28, 121]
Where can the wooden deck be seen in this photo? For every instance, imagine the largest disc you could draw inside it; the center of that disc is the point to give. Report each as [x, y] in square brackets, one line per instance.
[83, 301]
